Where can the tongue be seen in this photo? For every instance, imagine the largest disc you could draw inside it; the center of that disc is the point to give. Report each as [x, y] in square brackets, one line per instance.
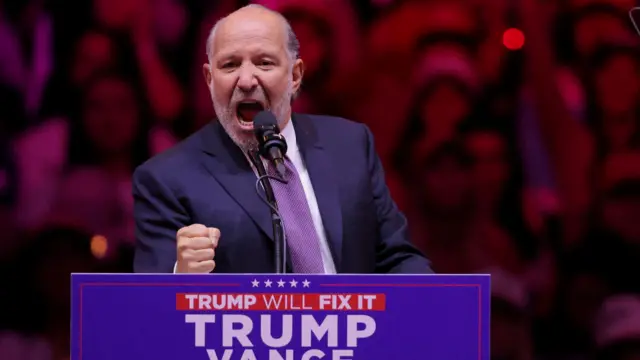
[248, 111]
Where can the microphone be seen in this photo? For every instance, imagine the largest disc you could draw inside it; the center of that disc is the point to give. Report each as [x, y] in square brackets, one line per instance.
[271, 144]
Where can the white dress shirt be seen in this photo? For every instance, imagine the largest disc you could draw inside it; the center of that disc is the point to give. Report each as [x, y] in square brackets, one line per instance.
[293, 153]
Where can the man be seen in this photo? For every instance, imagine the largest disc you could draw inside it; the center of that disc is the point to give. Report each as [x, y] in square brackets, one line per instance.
[196, 206]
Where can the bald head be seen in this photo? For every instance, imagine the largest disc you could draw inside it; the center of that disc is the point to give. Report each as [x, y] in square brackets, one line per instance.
[256, 12]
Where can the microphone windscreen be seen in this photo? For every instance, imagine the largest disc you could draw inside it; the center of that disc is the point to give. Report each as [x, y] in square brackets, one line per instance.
[264, 118]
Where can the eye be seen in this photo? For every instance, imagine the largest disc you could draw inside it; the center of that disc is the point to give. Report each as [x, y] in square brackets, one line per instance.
[229, 64]
[266, 63]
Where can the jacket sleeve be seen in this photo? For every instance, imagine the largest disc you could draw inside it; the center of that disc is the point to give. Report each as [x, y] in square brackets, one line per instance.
[158, 216]
[394, 252]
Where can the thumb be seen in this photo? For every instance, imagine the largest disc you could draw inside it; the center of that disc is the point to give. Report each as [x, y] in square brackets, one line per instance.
[214, 236]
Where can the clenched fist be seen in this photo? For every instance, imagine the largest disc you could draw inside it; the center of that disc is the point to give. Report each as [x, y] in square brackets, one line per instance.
[196, 246]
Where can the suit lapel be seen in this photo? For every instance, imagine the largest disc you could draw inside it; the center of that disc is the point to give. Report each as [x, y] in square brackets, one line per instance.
[226, 162]
[229, 166]
[324, 182]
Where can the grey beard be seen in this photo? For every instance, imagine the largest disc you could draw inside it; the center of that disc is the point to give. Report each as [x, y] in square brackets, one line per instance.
[250, 147]
[245, 143]
[225, 117]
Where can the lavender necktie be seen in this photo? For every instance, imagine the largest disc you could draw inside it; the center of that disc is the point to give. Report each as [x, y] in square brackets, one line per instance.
[302, 239]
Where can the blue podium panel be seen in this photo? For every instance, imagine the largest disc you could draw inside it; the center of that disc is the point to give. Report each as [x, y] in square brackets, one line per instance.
[280, 317]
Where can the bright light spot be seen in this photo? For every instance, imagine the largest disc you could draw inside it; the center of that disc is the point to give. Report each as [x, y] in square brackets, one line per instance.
[99, 246]
[513, 39]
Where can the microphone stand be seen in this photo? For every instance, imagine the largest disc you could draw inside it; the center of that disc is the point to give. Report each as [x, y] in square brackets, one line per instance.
[276, 220]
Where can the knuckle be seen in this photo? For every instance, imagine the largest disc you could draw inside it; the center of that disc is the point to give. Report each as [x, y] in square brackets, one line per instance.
[198, 229]
[191, 230]
[197, 226]
[182, 231]
[184, 244]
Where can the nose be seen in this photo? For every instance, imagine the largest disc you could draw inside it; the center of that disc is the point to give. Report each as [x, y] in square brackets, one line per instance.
[247, 81]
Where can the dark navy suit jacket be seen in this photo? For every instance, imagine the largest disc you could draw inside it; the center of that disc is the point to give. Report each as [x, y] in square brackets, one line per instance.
[206, 179]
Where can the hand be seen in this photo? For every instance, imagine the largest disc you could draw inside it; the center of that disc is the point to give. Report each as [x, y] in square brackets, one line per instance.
[196, 246]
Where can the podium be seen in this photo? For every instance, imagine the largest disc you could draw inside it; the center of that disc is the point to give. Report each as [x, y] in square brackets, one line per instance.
[280, 317]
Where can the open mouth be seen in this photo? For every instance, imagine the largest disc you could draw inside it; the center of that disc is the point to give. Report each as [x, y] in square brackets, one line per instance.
[246, 111]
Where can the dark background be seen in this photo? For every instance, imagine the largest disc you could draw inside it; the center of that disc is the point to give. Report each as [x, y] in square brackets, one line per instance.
[508, 130]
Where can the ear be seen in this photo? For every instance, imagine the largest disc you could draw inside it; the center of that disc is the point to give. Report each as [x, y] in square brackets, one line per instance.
[206, 71]
[297, 74]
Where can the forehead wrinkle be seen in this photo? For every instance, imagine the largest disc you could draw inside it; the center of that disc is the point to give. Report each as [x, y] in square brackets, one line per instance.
[241, 43]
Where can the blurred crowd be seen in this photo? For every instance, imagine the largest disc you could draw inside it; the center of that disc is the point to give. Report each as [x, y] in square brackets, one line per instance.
[512, 152]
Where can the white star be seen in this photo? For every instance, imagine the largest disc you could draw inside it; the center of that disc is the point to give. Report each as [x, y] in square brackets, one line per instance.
[306, 283]
[255, 283]
[293, 283]
[280, 283]
[267, 283]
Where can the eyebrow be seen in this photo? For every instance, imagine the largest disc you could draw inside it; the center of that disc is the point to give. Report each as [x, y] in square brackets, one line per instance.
[270, 53]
